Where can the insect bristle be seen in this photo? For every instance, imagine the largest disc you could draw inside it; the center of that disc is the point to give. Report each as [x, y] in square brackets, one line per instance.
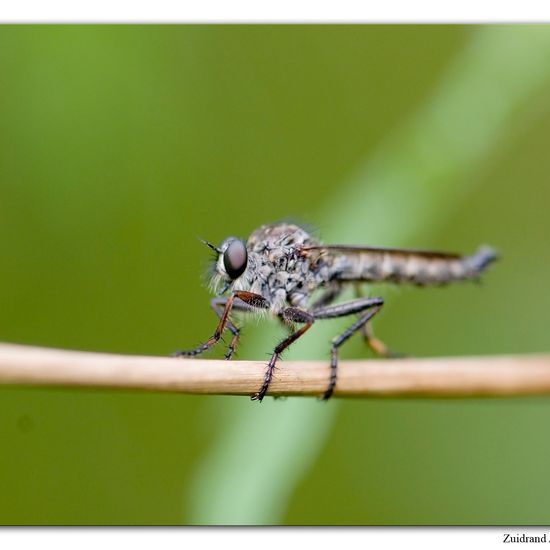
[215, 281]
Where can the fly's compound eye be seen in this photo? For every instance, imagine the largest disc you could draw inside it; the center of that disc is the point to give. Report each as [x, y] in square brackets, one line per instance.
[235, 259]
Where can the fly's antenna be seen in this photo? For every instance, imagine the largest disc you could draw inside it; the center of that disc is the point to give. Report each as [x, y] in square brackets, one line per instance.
[210, 245]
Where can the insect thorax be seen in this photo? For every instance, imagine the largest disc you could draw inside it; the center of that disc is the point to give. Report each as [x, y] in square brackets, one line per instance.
[276, 268]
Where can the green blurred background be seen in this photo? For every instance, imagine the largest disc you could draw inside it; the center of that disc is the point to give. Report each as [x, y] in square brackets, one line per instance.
[119, 145]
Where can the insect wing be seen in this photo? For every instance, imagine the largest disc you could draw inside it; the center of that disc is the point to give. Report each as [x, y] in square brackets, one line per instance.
[395, 265]
[352, 249]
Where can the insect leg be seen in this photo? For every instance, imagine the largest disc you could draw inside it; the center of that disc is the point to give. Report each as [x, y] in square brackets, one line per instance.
[375, 344]
[218, 304]
[327, 297]
[294, 315]
[252, 301]
[373, 305]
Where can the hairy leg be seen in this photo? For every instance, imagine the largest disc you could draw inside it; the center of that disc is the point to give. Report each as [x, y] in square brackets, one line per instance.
[294, 315]
[367, 307]
[218, 305]
[252, 301]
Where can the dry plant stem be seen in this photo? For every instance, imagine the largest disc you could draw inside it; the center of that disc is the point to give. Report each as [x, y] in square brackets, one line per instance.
[449, 376]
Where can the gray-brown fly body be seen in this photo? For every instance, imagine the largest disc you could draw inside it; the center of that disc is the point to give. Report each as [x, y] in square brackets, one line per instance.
[281, 266]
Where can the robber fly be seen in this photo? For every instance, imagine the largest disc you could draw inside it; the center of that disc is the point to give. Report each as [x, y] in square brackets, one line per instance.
[281, 266]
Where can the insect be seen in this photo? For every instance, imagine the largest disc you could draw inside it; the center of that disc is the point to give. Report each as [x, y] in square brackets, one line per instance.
[283, 271]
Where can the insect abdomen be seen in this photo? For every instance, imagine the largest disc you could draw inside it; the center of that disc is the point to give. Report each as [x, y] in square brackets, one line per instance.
[413, 268]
